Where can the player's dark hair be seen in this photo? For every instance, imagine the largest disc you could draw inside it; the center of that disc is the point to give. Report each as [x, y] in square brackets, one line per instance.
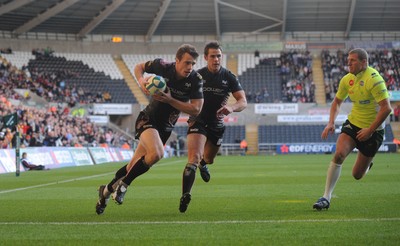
[361, 53]
[187, 48]
[212, 45]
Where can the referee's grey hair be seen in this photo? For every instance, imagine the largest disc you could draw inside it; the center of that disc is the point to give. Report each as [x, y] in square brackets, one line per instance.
[361, 53]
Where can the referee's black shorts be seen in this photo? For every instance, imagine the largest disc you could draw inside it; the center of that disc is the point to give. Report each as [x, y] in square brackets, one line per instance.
[369, 147]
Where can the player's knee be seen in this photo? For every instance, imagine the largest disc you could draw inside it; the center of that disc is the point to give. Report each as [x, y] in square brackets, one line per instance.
[339, 158]
[194, 158]
[190, 168]
[357, 175]
[154, 156]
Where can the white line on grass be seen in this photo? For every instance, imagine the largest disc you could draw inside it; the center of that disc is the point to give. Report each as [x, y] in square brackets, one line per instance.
[54, 183]
[72, 180]
[204, 222]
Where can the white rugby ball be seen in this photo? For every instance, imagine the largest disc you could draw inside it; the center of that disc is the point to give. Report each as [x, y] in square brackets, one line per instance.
[156, 83]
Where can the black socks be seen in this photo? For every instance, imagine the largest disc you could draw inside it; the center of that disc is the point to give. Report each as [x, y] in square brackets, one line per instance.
[138, 169]
[118, 175]
[189, 175]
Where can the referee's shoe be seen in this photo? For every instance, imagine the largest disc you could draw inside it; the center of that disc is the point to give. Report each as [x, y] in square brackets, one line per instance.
[322, 203]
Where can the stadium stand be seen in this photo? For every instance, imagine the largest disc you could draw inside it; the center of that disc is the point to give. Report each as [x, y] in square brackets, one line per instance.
[79, 75]
[19, 58]
[271, 78]
[99, 62]
[262, 82]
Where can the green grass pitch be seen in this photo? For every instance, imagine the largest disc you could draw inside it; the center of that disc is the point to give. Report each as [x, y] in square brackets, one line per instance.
[250, 200]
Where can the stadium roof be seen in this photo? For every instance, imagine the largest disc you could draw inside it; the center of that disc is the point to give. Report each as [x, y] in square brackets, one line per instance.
[198, 17]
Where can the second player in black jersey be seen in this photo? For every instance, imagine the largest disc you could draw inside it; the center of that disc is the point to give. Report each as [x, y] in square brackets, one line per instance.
[206, 130]
[184, 93]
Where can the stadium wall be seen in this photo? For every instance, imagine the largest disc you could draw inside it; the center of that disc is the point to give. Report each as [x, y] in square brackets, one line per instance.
[274, 114]
[57, 157]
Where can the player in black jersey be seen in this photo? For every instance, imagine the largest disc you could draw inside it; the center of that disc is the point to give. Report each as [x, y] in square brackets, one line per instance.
[154, 124]
[207, 129]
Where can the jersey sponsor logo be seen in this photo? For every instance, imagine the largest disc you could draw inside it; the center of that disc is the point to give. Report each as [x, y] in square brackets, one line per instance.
[351, 82]
[217, 90]
[194, 130]
[188, 85]
[224, 82]
[364, 102]
[177, 92]
[373, 75]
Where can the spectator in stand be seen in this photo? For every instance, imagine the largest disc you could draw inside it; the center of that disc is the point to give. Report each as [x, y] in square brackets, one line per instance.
[243, 146]
[7, 137]
[396, 113]
[125, 145]
[107, 96]
[103, 143]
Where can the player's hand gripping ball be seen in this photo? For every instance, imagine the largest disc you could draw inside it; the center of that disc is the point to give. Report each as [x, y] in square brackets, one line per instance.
[155, 84]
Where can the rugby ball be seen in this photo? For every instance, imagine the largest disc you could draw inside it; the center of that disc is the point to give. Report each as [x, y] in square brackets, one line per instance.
[155, 84]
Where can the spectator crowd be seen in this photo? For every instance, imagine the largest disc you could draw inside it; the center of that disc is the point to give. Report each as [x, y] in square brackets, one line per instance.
[52, 126]
[295, 75]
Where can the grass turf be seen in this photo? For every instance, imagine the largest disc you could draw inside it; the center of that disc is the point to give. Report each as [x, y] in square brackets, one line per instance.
[250, 200]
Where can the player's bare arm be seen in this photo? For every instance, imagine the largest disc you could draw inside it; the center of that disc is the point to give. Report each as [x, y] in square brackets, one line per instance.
[238, 106]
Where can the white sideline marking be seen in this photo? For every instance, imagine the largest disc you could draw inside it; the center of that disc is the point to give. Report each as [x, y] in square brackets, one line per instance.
[54, 183]
[72, 180]
[202, 222]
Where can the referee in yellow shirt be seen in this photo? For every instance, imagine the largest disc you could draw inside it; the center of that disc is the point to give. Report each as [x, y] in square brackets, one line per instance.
[364, 127]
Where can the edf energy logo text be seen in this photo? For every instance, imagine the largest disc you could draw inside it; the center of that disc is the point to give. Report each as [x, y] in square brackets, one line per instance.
[305, 148]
